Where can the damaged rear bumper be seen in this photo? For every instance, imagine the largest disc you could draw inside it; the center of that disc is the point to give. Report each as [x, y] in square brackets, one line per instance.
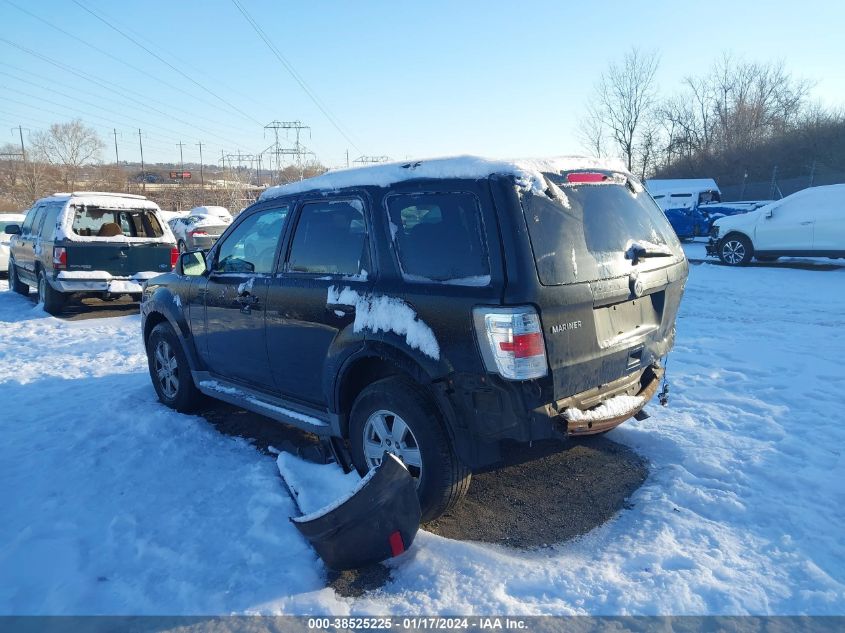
[606, 407]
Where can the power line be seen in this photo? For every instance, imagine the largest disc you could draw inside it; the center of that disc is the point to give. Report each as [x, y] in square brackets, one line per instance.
[102, 83]
[166, 63]
[293, 73]
[103, 51]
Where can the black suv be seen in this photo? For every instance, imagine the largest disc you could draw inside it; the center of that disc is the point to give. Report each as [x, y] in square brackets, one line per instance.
[436, 310]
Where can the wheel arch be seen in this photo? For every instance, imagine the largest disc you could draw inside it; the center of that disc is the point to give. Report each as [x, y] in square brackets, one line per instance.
[371, 364]
[154, 316]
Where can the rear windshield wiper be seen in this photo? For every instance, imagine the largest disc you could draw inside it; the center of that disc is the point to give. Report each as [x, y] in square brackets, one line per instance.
[636, 252]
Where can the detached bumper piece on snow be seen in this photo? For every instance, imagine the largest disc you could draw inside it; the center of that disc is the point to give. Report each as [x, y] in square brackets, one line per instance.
[377, 521]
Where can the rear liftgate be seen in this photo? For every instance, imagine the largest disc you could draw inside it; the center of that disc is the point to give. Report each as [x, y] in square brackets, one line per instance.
[378, 520]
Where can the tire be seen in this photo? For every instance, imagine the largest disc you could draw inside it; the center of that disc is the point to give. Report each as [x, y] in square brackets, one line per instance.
[169, 370]
[425, 446]
[735, 250]
[53, 300]
[15, 282]
[182, 247]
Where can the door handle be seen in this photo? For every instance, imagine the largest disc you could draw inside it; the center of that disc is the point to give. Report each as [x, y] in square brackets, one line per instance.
[345, 309]
[246, 299]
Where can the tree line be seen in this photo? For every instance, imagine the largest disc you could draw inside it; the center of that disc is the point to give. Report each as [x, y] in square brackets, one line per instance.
[738, 120]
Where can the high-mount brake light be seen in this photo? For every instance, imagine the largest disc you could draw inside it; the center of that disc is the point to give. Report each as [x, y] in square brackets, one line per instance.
[511, 342]
[59, 257]
[585, 176]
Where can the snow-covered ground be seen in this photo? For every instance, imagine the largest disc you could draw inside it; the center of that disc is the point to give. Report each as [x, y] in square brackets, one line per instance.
[112, 503]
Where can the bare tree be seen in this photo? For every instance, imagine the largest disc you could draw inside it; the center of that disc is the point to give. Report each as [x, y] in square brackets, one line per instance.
[625, 97]
[68, 145]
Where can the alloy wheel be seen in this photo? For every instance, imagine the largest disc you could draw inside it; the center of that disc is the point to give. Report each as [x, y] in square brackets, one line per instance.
[166, 368]
[733, 252]
[384, 431]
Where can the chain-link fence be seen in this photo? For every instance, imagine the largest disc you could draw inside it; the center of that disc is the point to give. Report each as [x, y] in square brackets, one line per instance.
[777, 187]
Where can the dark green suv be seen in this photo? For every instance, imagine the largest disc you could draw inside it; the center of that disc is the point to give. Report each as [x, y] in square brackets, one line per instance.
[101, 244]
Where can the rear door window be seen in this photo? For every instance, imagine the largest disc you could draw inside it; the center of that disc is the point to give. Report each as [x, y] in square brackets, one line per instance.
[32, 219]
[48, 225]
[330, 238]
[584, 234]
[439, 237]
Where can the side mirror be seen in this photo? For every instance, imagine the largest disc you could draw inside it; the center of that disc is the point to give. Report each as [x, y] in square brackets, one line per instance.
[192, 263]
[13, 229]
[769, 213]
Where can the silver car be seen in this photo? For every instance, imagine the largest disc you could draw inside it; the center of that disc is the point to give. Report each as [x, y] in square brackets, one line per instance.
[201, 228]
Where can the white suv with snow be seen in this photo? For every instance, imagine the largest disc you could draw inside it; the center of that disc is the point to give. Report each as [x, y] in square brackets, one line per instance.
[809, 223]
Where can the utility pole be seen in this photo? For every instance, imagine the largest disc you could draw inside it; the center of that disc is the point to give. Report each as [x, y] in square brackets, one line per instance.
[181, 160]
[143, 171]
[202, 178]
[347, 158]
[116, 157]
[20, 133]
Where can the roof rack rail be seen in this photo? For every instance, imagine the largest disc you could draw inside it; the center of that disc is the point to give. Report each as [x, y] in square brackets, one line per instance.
[105, 193]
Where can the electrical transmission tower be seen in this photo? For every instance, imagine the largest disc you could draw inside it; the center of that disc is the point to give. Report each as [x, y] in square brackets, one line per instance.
[298, 151]
[368, 160]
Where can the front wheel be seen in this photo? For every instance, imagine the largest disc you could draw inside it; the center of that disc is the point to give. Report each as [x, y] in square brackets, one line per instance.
[52, 299]
[169, 370]
[183, 248]
[736, 250]
[397, 416]
[15, 282]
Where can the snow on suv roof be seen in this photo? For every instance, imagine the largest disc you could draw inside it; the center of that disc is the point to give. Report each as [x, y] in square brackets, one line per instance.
[527, 171]
[105, 199]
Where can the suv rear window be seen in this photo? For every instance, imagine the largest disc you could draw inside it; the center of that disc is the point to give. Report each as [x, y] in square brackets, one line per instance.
[439, 237]
[98, 222]
[585, 236]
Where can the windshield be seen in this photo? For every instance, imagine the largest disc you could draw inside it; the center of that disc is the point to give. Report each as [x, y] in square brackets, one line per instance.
[92, 221]
[584, 232]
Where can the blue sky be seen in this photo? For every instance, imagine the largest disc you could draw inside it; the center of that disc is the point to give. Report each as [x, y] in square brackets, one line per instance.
[401, 79]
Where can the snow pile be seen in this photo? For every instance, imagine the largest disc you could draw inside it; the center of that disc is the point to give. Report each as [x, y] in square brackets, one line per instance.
[386, 314]
[318, 488]
[528, 172]
[610, 408]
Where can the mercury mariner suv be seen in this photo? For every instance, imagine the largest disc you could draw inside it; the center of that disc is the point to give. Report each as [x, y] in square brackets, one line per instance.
[436, 310]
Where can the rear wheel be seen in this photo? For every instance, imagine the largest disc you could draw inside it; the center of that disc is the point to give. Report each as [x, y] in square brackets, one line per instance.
[52, 299]
[183, 248]
[15, 282]
[397, 416]
[169, 369]
[736, 250]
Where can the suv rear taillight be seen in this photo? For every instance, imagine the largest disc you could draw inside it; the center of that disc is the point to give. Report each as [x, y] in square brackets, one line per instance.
[174, 256]
[511, 342]
[59, 257]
